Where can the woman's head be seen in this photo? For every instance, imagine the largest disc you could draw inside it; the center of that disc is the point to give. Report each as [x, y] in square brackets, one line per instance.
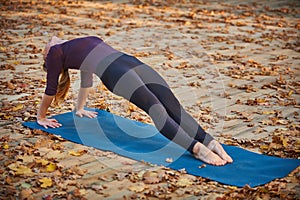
[54, 41]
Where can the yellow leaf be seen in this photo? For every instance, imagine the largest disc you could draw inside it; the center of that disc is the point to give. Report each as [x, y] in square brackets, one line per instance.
[281, 121]
[137, 188]
[82, 192]
[284, 141]
[261, 100]
[21, 169]
[17, 107]
[77, 153]
[7, 117]
[268, 112]
[42, 161]
[290, 93]
[51, 167]
[16, 62]
[264, 147]
[184, 182]
[5, 146]
[46, 182]
[232, 187]
[275, 146]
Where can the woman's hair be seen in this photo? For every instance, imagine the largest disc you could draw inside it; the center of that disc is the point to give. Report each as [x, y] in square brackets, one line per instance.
[63, 87]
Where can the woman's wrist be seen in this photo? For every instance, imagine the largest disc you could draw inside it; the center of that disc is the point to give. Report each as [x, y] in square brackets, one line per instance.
[77, 108]
[39, 117]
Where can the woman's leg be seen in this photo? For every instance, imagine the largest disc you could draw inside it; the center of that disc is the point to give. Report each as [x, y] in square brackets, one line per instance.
[157, 85]
[126, 82]
[161, 90]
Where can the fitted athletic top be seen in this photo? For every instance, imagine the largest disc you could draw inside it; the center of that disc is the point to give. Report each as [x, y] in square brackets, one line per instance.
[80, 53]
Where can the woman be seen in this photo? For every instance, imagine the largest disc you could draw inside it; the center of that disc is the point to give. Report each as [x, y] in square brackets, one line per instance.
[128, 77]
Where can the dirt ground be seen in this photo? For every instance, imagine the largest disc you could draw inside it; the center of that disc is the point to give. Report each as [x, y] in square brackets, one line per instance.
[234, 65]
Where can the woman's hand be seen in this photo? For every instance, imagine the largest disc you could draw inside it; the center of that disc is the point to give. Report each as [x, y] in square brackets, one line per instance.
[52, 123]
[86, 113]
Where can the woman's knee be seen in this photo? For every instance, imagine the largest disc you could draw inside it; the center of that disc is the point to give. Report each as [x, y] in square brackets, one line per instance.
[159, 115]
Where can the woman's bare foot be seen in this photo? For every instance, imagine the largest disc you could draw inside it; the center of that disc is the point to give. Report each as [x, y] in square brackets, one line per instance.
[201, 152]
[216, 147]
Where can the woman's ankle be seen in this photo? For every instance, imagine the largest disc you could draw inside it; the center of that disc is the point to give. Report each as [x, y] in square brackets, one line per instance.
[197, 147]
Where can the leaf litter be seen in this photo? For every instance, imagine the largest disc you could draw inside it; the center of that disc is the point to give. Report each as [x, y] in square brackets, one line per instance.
[236, 35]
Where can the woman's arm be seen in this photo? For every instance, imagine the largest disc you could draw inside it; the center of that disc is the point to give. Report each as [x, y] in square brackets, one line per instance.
[41, 115]
[82, 96]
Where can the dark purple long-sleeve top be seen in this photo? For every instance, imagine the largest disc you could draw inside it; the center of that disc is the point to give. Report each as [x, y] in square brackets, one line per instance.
[80, 53]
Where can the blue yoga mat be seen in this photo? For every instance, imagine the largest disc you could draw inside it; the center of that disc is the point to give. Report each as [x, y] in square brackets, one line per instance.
[141, 141]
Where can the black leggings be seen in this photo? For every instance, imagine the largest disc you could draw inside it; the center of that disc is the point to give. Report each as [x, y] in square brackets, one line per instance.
[128, 77]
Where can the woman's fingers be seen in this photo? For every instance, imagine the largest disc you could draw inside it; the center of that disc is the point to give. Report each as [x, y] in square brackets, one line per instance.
[52, 123]
[92, 114]
[89, 114]
[53, 120]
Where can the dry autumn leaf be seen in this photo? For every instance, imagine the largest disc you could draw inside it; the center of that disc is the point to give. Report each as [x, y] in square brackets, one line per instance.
[26, 194]
[79, 192]
[5, 145]
[254, 45]
[26, 158]
[137, 188]
[18, 107]
[184, 182]
[45, 182]
[43, 162]
[77, 153]
[51, 167]
[151, 177]
[21, 169]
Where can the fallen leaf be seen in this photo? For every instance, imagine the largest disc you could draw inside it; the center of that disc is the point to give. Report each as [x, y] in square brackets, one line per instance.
[18, 107]
[184, 182]
[79, 192]
[5, 146]
[21, 169]
[137, 188]
[51, 167]
[45, 182]
[26, 185]
[77, 170]
[26, 158]
[151, 177]
[77, 153]
[43, 162]
[26, 194]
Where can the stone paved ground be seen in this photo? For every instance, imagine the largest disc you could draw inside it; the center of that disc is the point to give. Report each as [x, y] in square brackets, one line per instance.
[233, 64]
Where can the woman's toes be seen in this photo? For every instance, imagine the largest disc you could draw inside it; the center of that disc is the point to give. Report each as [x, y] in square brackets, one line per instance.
[208, 156]
[218, 149]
